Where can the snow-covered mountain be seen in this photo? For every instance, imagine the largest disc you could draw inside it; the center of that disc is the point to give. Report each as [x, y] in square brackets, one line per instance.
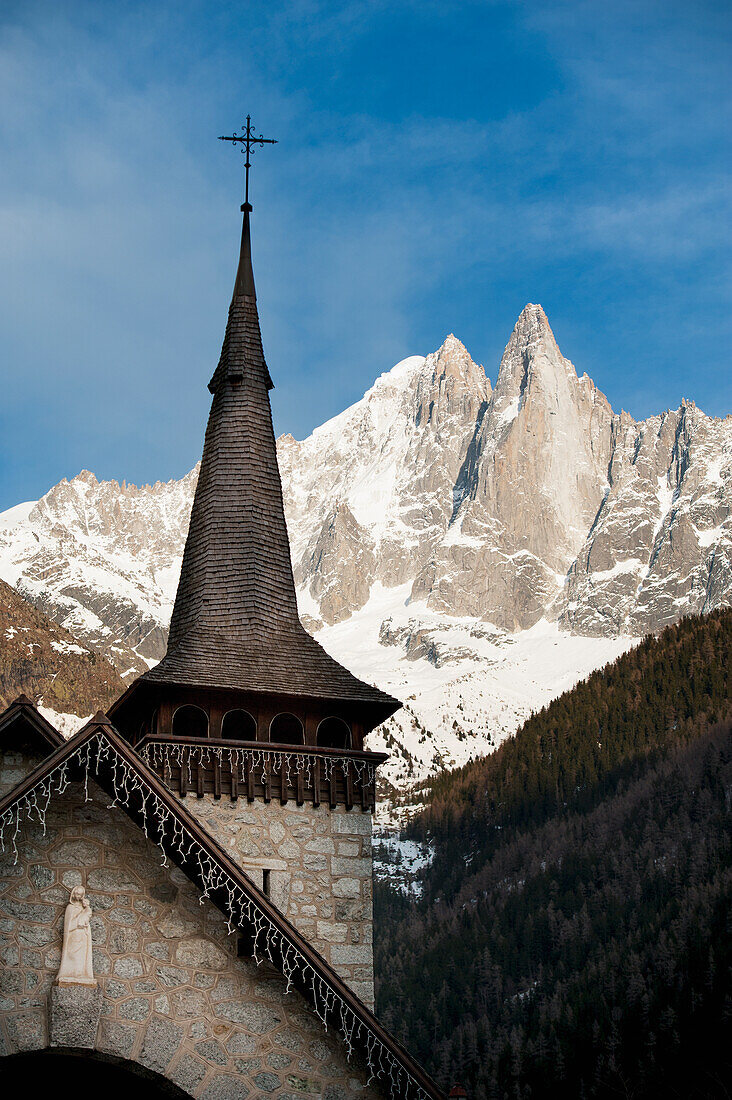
[475, 551]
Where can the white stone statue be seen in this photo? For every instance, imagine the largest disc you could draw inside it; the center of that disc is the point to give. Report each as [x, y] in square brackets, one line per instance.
[76, 953]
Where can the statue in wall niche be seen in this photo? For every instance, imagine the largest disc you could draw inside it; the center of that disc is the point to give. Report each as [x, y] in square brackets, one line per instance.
[76, 953]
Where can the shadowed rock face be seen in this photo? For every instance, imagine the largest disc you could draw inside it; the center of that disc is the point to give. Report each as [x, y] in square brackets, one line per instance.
[341, 567]
[661, 545]
[44, 661]
[390, 464]
[531, 488]
[508, 505]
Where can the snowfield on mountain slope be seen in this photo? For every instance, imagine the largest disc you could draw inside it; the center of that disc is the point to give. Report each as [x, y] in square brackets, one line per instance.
[473, 549]
[465, 686]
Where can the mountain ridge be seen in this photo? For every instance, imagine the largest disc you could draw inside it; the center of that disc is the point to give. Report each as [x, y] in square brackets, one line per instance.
[468, 516]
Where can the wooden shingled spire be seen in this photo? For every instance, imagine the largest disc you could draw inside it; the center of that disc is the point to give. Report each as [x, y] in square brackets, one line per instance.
[236, 585]
[235, 623]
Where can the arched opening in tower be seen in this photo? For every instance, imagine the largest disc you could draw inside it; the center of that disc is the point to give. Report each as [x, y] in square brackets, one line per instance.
[287, 730]
[238, 725]
[190, 721]
[334, 733]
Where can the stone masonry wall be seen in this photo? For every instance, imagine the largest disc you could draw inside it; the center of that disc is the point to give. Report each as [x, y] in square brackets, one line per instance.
[14, 766]
[174, 996]
[320, 867]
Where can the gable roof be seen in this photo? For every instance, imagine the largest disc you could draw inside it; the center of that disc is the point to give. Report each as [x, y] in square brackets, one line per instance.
[99, 753]
[23, 727]
[235, 623]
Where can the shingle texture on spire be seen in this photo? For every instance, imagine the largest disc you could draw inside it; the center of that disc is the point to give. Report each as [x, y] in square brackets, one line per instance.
[235, 622]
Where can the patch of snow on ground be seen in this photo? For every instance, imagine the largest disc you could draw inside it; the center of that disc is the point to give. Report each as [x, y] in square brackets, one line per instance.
[400, 863]
[714, 470]
[66, 724]
[510, 412]
[68, 647]
[710, 537]
[487, 683]
[665, 494]
[630, 565]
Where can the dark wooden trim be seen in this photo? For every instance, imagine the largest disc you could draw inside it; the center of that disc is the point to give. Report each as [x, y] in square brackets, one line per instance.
[25, 708]
[351, 781]
[375, 758]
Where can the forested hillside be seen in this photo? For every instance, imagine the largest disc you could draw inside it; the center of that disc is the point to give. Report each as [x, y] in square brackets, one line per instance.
[41, 659]
[573, 938]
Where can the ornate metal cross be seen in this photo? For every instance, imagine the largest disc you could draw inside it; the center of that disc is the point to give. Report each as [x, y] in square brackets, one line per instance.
[248, 139]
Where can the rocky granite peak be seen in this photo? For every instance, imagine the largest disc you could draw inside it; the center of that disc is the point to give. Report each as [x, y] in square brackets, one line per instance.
[463, 513]
[449, 384]
[508, 504]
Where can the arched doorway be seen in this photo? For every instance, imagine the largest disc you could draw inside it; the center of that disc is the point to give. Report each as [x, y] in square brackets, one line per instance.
[82, 1072]
[238, 725]
[334, 733]
[287, 729]
[190, 721]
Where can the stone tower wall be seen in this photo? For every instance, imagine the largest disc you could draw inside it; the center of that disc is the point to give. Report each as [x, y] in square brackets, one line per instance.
[320, 865]
[173, 995]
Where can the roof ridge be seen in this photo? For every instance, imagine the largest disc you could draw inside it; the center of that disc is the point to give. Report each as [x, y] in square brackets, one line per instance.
[22, 705]
[238, 662]
[150, 805]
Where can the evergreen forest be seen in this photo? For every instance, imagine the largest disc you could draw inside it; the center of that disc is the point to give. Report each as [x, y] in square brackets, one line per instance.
[572, 936]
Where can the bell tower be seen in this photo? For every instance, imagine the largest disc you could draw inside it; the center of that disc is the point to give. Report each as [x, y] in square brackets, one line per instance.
[247, 717]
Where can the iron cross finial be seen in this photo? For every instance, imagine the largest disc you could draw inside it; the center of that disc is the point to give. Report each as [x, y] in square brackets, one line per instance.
[248, 139]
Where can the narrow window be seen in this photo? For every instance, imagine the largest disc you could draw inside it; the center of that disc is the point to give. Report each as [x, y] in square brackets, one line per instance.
[266, 882]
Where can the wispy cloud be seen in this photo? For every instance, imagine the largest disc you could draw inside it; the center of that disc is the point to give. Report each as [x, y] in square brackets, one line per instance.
[586, 170]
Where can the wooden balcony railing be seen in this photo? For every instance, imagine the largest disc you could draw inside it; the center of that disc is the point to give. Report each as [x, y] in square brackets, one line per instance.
[260, 770]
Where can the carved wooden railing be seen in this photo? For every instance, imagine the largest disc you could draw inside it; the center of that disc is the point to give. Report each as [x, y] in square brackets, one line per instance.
[261, 770]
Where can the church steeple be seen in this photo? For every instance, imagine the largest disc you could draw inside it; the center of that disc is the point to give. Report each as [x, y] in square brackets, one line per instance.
[244, 273]
[236, 586]
[235, 625]
[243, 341]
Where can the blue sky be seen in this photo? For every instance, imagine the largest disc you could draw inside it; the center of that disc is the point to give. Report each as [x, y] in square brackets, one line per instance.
[439, 165]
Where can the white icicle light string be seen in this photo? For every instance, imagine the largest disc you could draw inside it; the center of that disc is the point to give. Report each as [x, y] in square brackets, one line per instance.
[159, 756]
[241, 910]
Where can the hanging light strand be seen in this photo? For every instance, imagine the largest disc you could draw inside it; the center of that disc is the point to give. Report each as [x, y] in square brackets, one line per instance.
[160, 825]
